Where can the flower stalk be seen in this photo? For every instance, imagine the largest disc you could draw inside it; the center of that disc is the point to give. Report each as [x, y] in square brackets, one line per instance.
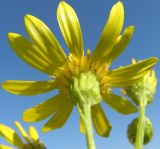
[141, 124]
[85, 114]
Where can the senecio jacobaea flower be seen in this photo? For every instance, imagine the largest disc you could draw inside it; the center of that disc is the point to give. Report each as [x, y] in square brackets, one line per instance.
[145, 87]
[79, 78]
[31, 140]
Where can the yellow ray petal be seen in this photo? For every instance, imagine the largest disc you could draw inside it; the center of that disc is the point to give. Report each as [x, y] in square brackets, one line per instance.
[128, 75]
[70, 28]
[60, 118]
[44, 39]
[44, 109]
[28, 87]
[100, 121]
[5, 147]
[110, 32]
[134, 61]
[120, 45]
[30, 53]
[81, 126]
[10, 136]
[23, 132]
[33, 134]
[120, 104]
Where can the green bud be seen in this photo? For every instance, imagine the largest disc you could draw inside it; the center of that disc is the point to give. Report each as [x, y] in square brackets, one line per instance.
[85, 89]
[145, 87]
[132, 131]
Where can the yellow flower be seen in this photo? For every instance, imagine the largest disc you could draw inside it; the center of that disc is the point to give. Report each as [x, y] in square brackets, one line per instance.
[145, 87]
[76, 75]
[31, 140]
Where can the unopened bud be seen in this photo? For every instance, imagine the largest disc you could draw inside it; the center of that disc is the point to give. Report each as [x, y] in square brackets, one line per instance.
[132, 131]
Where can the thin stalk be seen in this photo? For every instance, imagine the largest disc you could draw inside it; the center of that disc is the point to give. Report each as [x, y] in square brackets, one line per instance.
[85, 113]
[141, 125]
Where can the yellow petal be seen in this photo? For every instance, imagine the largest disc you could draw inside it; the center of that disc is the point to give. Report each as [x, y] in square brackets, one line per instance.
[33, 134]
[23, 132]
[100, 121]
[120, 45]
[44, 109]
[31, 54]
[81, 126]
[44, 39]
[70, 28]
[134, 61]
[10, 136]
[28, 87]
[60, 118]
[5, 147]
[110, 32]
[128, 75]
[120, 104]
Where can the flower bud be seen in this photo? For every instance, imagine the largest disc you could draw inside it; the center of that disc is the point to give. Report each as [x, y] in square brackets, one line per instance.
[132, 131]
[145, 87]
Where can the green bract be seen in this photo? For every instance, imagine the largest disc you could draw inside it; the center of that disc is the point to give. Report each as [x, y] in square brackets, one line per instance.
[85, 89]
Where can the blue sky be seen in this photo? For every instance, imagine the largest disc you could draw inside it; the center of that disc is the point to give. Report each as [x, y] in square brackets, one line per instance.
[144, 15]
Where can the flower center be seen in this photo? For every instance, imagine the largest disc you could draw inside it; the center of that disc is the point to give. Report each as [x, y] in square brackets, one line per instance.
[81, 80]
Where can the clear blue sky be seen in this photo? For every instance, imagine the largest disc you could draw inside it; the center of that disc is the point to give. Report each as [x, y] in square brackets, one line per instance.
[144, 14]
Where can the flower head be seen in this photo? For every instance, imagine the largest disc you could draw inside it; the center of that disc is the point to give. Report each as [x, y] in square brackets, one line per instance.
[146, 87]
[31, 139]
[76, 76]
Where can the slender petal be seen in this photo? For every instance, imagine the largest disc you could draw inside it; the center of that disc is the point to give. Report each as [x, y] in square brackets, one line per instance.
[28, 87]
[60, 118]
[31, 54]
[70, 28]
[110, 32]
[81, 126]
[5, 147]
[33, 134]
[44, 109]
[44, 39]
[120, 104]
[100, 121]
[127, 75]
[10, 136]
[23, 132]
[120, 45]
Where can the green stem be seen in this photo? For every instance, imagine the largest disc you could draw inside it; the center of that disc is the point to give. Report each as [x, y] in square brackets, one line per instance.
[85, 113]
[141, 125]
